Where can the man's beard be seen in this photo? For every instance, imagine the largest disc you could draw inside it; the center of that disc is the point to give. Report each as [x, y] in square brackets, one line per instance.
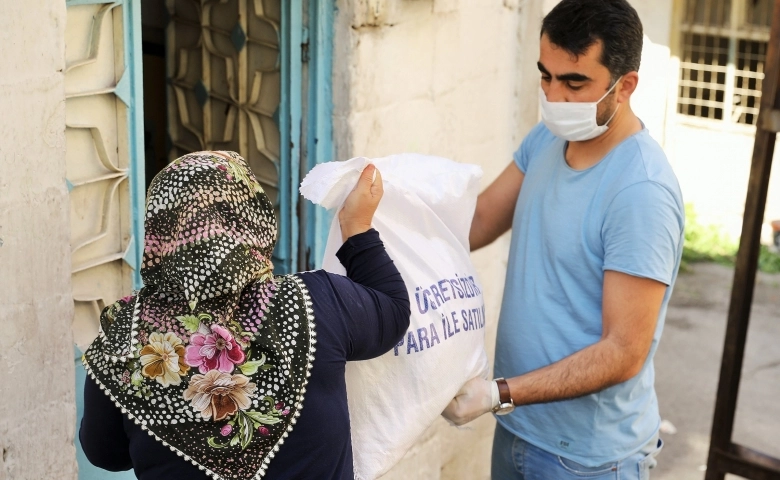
[608, 110]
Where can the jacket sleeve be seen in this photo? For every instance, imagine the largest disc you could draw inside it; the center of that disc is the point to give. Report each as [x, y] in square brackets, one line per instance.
[368, 310]
[381, 324]
[102, 434]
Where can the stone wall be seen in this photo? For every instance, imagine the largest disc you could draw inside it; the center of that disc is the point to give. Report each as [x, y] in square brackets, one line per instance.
[454, 78]
[37, 410]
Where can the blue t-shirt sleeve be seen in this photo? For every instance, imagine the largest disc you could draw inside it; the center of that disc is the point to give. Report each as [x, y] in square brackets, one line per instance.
[642, 232]
[531, 142]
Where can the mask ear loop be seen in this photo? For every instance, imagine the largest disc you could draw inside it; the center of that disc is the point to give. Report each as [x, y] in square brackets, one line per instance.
[610, 89]
[612, 116]
[605, 96]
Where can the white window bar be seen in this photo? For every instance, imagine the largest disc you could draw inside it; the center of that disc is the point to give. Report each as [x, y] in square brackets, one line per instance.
[722, 59]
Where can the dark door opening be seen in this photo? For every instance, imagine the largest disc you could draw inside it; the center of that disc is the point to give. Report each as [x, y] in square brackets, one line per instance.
[154, 19]
[246, 76]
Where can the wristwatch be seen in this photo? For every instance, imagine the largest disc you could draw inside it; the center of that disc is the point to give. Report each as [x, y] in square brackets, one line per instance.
[505, 403]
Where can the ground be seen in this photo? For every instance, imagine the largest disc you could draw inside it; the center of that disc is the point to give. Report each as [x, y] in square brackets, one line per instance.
[688, 366]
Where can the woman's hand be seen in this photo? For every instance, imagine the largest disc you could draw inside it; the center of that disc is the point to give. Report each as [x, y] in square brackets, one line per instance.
[359, 207]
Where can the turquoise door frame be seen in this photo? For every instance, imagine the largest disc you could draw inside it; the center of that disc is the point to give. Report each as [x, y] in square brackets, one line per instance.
[307, 36]
[319, 121]
[290, 110]
[135, 123]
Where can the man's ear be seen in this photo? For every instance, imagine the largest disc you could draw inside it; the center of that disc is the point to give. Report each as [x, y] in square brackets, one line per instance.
[627, 86]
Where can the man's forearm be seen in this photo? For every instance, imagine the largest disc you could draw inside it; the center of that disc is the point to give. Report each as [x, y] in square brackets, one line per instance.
[590, 370]
[480, 234]
[495, 208]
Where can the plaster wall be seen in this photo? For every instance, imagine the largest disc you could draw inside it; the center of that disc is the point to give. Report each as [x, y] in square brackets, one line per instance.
[37, 411]
[454, 78]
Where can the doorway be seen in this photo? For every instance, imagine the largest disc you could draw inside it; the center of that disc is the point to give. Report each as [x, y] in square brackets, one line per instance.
[149, 80]
[244, 75]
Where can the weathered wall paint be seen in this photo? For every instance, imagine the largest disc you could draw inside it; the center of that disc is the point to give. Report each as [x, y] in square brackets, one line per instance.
[37, 411]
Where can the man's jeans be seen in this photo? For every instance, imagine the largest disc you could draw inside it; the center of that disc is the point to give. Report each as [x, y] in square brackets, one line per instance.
[516, 459]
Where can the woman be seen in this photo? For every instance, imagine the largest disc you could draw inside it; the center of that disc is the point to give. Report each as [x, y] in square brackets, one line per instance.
[206, 370]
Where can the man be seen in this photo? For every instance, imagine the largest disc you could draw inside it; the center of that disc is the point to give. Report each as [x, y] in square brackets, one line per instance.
[597, 234]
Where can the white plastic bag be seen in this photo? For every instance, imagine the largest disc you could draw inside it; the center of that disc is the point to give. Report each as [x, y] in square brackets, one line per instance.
[424, 219]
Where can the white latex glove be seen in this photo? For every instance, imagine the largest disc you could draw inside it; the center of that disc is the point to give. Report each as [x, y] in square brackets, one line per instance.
[477, 397]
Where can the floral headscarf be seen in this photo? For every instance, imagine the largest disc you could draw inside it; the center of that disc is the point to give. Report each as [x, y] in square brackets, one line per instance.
[212, 356]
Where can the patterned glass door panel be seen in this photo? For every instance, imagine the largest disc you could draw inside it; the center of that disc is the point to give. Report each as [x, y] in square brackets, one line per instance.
[224, 69]
[97, 91]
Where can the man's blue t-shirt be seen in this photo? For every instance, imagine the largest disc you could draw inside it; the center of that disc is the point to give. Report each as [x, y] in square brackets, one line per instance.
[624, 214]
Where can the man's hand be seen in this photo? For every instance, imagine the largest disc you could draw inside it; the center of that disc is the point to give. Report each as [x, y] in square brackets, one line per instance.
[359, 207]
[477, 397]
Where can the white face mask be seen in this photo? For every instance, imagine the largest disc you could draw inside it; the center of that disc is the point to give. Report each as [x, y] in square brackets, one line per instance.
[574, 121]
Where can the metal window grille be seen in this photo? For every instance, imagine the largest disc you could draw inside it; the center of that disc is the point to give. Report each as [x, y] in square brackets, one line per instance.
[722, 62]
[234, 84]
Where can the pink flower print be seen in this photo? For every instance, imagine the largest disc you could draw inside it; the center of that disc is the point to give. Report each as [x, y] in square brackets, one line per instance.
[279, 406]
[259, 256]
[263, 431]
[225, 431]
[216, 350]
[285, 412]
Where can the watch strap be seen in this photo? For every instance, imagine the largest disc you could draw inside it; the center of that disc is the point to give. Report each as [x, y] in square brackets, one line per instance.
[504, 394]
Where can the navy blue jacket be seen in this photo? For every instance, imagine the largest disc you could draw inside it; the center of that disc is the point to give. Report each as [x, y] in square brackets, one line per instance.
[357, 317]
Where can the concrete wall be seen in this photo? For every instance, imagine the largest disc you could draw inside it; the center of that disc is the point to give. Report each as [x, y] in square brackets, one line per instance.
[37, 411]
[455, 78]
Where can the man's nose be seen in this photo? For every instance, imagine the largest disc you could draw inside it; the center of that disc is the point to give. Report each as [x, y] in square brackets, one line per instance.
[554, 91]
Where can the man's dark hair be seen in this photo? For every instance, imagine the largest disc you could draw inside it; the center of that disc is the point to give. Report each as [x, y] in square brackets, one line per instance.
[575, 25]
